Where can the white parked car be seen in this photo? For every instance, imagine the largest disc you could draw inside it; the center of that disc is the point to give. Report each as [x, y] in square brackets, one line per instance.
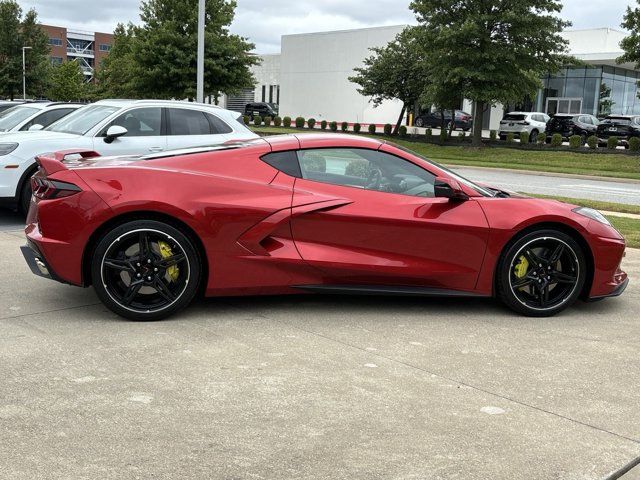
[34, 116]
[115, 127]
[517, 122]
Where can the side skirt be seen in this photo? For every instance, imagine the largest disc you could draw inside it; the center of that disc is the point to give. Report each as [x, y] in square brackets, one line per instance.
[387, 290]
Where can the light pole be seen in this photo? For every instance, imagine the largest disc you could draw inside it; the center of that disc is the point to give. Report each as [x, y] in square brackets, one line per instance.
[200, 68]
[24, 73]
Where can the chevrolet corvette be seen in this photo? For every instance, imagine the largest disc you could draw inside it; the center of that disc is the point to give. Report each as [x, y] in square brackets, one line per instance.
[306, 214]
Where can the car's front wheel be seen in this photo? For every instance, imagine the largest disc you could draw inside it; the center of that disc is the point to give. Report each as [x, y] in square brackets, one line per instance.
[419, 122]
[541, 273]
[145, 270]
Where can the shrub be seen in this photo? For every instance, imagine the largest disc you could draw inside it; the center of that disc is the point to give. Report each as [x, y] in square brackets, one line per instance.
[277, 121]
[286, 121]
[357, 127]
[575, 141]
[311, 123]
[634, 144]
[542, 138]
[592, 141]
[402, 131]
[246, 119]
[493, 135]
[462, 134]
[257, 120]
[524, 137]
[300, 122]
[388, 128]
[323, 124]
[313, 162]
[344, 126]
[428, 133]
[372, 128]
[510, 137]
[612, 143]
[357, 168]
[556, 140]
[267, 121]
[333, 126]
[443, 135]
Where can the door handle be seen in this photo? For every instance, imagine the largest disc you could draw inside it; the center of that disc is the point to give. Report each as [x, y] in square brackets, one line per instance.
[156, 149]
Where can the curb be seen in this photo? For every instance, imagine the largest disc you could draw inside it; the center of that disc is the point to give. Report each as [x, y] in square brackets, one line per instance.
[549, 174]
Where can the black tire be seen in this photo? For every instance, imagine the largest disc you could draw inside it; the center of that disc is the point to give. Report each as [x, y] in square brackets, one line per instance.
[419, 122]
[583, 139]
[533, 137]
[134, 278]
[25, 195]
[450, 125]
[547, 285]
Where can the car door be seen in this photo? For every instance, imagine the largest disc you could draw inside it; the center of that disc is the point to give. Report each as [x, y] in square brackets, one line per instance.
[366, 217]
[194, 128]
[144, 133]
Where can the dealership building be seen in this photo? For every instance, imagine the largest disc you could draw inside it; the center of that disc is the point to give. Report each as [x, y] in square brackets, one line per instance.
[310, 78]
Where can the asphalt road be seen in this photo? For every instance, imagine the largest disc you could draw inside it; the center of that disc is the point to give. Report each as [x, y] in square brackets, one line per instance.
[573, 187]
[313, 387]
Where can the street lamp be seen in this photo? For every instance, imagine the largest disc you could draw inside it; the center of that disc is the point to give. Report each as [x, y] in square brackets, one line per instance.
[200, 68]
[24, 73]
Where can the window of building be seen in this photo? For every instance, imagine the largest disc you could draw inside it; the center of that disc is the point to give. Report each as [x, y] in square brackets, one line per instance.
[55, 60]
[56, 42]
[366, 169]
[264, 93]
[105, 47]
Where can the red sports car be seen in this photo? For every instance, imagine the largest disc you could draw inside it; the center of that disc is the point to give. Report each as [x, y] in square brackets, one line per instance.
[307, 213]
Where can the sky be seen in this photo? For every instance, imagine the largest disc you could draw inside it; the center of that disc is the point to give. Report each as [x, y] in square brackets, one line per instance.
[264, 21]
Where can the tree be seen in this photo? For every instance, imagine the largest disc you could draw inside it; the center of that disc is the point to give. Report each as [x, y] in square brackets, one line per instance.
[631, 43]
[394, 72]
[16, 32]
[116, 76]
[165, 48]
[495, 50]
[67, 82]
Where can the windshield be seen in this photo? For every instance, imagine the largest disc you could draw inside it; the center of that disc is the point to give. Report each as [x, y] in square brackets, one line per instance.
[617, 120]
[481, 190]
[82, 120]
[13, 116]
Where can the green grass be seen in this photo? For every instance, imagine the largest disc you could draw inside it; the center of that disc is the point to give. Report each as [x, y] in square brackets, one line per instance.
[600, 164]
[629, 228]
[597, 204]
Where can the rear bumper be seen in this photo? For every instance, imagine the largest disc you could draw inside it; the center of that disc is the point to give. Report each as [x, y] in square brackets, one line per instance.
[37, 262]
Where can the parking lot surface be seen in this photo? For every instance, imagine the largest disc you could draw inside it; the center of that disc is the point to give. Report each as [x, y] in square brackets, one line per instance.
[313, 387]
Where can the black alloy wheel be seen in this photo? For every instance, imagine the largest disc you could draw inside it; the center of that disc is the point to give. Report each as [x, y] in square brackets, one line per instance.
[145, 270]
[533, 138]
[542, 273]
[419, 122]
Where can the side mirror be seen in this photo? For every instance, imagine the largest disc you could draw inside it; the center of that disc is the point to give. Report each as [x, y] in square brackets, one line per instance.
[449, 188]
[35, 127]
[114, 132]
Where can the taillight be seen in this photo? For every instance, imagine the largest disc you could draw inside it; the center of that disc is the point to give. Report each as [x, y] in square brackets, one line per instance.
[46, 189]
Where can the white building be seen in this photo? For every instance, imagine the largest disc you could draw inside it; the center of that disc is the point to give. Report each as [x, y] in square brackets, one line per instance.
[310, 78]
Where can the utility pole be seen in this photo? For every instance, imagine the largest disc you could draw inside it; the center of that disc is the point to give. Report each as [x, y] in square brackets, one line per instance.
[24, 73]
[200, 72]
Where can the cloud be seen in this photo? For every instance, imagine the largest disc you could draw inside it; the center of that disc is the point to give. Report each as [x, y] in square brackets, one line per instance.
[263, 22]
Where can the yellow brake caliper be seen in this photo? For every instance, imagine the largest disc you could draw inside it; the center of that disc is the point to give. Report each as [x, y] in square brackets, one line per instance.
[521, 268]
[165, 251]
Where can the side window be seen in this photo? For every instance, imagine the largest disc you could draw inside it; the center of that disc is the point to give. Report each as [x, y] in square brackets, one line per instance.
[366, 169]
[188, 122]
[47, 118]
[217, 125]
[286, 162]
[140, 122]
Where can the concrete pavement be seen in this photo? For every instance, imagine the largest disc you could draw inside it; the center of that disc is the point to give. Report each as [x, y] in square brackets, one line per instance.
[548, 184]
[313, 387]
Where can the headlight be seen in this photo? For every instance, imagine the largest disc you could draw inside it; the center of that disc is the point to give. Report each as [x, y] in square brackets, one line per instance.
[7, 148]
[592, 214]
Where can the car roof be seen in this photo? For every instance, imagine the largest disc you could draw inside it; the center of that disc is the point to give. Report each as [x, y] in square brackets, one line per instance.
[118, 102]
[320, 140]
[621, 116]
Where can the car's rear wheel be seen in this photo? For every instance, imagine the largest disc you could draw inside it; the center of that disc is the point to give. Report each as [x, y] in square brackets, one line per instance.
[541, 273]
[419, 122]
[533, 138]
[25, 196]
[145, 270]
[583, 139]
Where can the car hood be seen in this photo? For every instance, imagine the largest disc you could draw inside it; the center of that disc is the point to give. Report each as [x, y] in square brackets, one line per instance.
[36, 136]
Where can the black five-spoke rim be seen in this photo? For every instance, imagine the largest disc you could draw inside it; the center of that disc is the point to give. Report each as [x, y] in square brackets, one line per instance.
[145, 270]
[544, 273]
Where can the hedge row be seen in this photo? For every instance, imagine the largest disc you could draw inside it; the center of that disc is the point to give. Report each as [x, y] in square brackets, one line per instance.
[556, 140]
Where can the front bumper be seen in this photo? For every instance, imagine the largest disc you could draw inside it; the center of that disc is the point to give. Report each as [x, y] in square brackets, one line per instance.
[616, 292]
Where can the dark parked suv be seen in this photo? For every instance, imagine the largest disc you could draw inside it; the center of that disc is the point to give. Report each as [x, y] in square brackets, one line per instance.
[622, 126]
[568, 125]
[262, 109]
[433, 119]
